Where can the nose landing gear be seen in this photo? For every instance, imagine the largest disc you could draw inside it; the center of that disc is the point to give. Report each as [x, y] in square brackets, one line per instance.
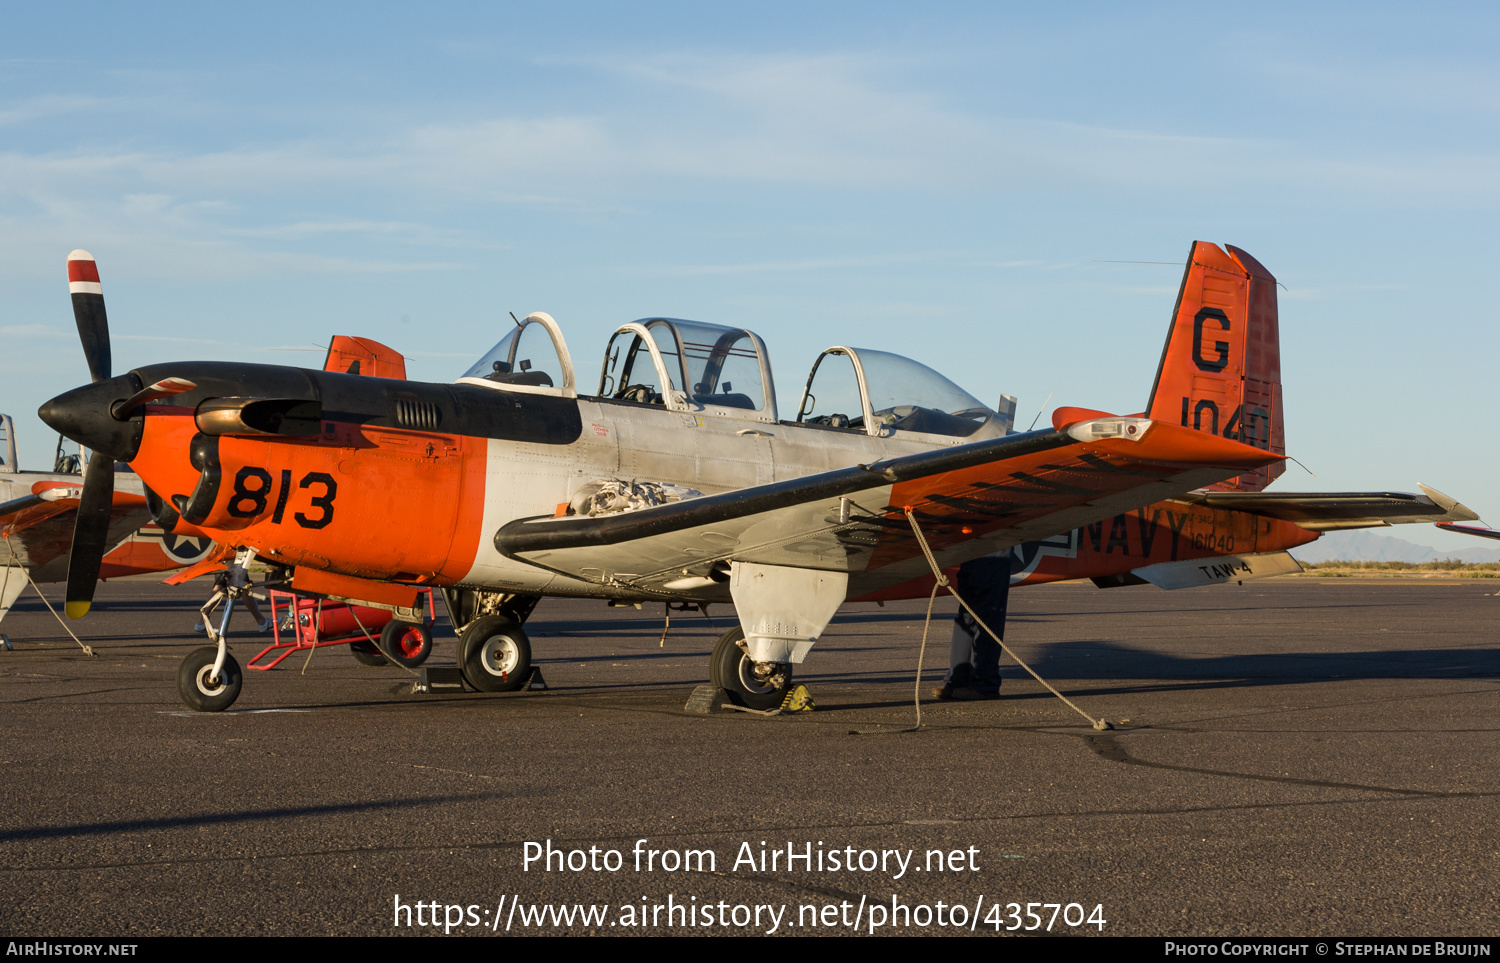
[201, 689]
[209, 679]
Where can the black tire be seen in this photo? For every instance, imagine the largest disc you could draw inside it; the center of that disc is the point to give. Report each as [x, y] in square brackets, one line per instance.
[746, 682]
[495, 654]
[365, 653]
[405, 643]
[196, 692]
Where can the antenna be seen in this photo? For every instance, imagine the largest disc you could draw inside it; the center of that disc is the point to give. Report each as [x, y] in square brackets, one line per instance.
[1043, 408]
[513, 318]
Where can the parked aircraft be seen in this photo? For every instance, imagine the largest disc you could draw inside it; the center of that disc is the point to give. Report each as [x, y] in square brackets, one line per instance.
[677, 479]
[37, 515]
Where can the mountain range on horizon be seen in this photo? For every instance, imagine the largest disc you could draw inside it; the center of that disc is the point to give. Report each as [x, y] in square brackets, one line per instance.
[1365, 545]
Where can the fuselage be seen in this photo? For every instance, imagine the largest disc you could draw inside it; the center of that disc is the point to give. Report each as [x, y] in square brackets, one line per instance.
[407, 482]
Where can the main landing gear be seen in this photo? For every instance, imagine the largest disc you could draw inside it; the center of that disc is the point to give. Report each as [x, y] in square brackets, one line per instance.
[754, 685]
[209, 679]
[494, 654]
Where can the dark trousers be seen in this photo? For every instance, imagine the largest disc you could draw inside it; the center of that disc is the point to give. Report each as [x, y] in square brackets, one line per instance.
[974, 660]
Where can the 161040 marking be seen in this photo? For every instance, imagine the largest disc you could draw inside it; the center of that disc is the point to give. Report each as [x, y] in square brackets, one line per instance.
[247, 502]
[1250, 424]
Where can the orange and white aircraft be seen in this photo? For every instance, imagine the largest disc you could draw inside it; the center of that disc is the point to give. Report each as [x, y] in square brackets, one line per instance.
[679, 480]
[37, 515]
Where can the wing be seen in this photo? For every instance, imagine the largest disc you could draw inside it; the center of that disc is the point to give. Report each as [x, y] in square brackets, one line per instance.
[971, 500]
[36, 530]
[1331, 511]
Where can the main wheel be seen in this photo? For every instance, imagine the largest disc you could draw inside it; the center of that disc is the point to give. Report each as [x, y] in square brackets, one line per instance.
[365, 653]
[201, 694]
[406, 643]
[495, 654]
[754, 685]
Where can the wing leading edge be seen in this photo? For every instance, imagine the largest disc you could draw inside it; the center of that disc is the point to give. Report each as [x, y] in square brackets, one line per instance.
[971, 500]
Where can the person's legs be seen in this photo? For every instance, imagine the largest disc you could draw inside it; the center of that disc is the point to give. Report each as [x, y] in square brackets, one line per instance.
[974, 657]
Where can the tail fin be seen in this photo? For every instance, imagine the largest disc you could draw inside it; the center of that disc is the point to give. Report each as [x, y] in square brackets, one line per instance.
[1221, 369]
[364, 356]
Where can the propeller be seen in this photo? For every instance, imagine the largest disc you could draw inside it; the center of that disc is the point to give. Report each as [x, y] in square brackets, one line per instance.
[88, 311]
[91, 527]
[90, 534]
[96, 501]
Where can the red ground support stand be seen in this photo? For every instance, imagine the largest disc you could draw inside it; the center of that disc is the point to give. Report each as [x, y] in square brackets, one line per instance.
[317, 622]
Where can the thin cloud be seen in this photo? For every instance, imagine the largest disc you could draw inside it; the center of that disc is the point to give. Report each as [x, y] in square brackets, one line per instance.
[810, 264]
[32, 331]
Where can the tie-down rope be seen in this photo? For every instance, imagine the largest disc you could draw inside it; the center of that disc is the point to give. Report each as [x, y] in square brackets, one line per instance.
[36, 588]
[942, 582]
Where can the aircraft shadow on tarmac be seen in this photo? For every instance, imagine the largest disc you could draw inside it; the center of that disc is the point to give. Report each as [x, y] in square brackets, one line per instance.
[234, 816]
[1099, 661]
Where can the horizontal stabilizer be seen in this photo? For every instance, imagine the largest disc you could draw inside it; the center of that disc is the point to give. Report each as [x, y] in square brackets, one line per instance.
[1334, 511]
[1469, 530]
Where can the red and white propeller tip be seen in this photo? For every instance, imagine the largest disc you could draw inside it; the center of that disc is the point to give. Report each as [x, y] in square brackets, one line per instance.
[83, 273]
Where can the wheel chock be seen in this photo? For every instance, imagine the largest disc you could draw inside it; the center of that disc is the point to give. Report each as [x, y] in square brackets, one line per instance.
[798, 700]
[706, 699]
[535, 682]
[439, 680]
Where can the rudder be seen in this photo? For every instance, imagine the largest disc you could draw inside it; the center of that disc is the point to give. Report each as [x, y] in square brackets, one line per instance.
[1220, 371]
[364, 356]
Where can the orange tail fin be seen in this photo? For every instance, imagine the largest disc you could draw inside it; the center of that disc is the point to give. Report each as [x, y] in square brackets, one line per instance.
[364, 356]
[1221, 369]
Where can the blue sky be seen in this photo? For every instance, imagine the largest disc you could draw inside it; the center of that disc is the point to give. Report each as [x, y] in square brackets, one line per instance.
[948, 182]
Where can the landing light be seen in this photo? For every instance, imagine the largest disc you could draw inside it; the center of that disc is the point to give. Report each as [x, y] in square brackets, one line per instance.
[1130, 429]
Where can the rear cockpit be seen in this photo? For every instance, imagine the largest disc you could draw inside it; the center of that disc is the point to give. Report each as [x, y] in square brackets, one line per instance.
[879, 393]
[722, 371]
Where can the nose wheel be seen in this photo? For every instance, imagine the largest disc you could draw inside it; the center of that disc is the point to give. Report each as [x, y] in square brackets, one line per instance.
[748, 683]
[200, 689]
[209, 679]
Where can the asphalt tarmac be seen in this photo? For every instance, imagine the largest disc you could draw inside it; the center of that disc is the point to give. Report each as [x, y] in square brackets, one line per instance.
[1293, 757]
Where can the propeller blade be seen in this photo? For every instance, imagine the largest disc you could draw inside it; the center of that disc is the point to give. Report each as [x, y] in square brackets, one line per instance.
[90, 534]
[88, 311]
[165, 388]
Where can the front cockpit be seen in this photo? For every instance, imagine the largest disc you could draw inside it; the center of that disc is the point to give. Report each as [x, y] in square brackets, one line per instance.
[725, 372]
[531, 358]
